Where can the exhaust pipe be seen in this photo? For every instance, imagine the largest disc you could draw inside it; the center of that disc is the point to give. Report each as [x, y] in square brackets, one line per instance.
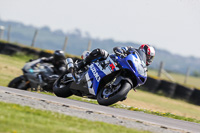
[70, 63]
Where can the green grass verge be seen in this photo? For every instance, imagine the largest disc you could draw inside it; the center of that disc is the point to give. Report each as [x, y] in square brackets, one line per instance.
[23, 119]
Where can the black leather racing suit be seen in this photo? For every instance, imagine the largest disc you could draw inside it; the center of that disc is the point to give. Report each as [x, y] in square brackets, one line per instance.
[59, 65]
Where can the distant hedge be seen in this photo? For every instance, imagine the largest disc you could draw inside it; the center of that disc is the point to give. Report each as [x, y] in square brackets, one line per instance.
[11, 49]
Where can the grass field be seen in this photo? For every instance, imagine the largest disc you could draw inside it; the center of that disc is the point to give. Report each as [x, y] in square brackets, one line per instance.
[10, 67]
[154, 102]
[22, 119]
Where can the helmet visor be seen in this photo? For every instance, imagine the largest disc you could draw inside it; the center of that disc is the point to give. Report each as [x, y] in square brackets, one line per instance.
[150, 58]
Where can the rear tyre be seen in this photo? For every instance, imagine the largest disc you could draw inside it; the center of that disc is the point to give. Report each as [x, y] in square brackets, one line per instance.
[19, 83]
[62, 90]
[122, 92]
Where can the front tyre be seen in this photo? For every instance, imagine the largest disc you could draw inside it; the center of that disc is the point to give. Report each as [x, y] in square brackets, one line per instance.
[105, 97]
[60, 89]
[19, 83]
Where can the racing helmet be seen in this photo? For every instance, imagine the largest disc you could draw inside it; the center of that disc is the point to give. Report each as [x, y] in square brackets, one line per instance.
[58, 55]
[85, 54]
[149, 51]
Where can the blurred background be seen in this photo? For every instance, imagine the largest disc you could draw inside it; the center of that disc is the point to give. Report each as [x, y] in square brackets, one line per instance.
[172, 27]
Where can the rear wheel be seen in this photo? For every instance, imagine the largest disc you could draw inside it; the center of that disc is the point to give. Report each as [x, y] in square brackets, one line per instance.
[19, 83]
[62, 89]
[109, 95]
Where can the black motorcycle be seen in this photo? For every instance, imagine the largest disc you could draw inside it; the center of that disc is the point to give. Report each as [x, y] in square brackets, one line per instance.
[36, 75]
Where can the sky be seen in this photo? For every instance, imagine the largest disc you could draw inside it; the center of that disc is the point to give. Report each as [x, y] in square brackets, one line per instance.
[172, 25]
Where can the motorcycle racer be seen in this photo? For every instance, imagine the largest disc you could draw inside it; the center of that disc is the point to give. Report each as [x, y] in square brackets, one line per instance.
[101, 54]
[57, 60]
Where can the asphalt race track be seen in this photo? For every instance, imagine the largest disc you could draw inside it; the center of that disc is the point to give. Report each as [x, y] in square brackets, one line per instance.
[141, 117]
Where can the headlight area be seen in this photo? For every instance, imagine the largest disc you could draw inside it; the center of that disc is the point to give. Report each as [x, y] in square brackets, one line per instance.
[141, 70]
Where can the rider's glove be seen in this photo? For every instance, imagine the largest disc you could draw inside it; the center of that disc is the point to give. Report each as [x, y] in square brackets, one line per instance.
[118, 51]
[124, 49]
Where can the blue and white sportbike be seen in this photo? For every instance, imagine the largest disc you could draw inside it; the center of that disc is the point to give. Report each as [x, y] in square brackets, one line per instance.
[108, 81]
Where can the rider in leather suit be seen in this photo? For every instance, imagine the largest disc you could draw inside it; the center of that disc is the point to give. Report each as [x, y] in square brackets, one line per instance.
[101, 54]
[57, 60]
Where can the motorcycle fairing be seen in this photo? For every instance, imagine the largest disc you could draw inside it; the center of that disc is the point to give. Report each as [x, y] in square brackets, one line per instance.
[96, 72]
[130, 62]
[32, 71]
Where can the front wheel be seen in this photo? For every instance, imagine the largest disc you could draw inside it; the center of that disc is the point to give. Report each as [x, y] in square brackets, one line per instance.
[109, 95]
[19, 83]
[61, 89]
